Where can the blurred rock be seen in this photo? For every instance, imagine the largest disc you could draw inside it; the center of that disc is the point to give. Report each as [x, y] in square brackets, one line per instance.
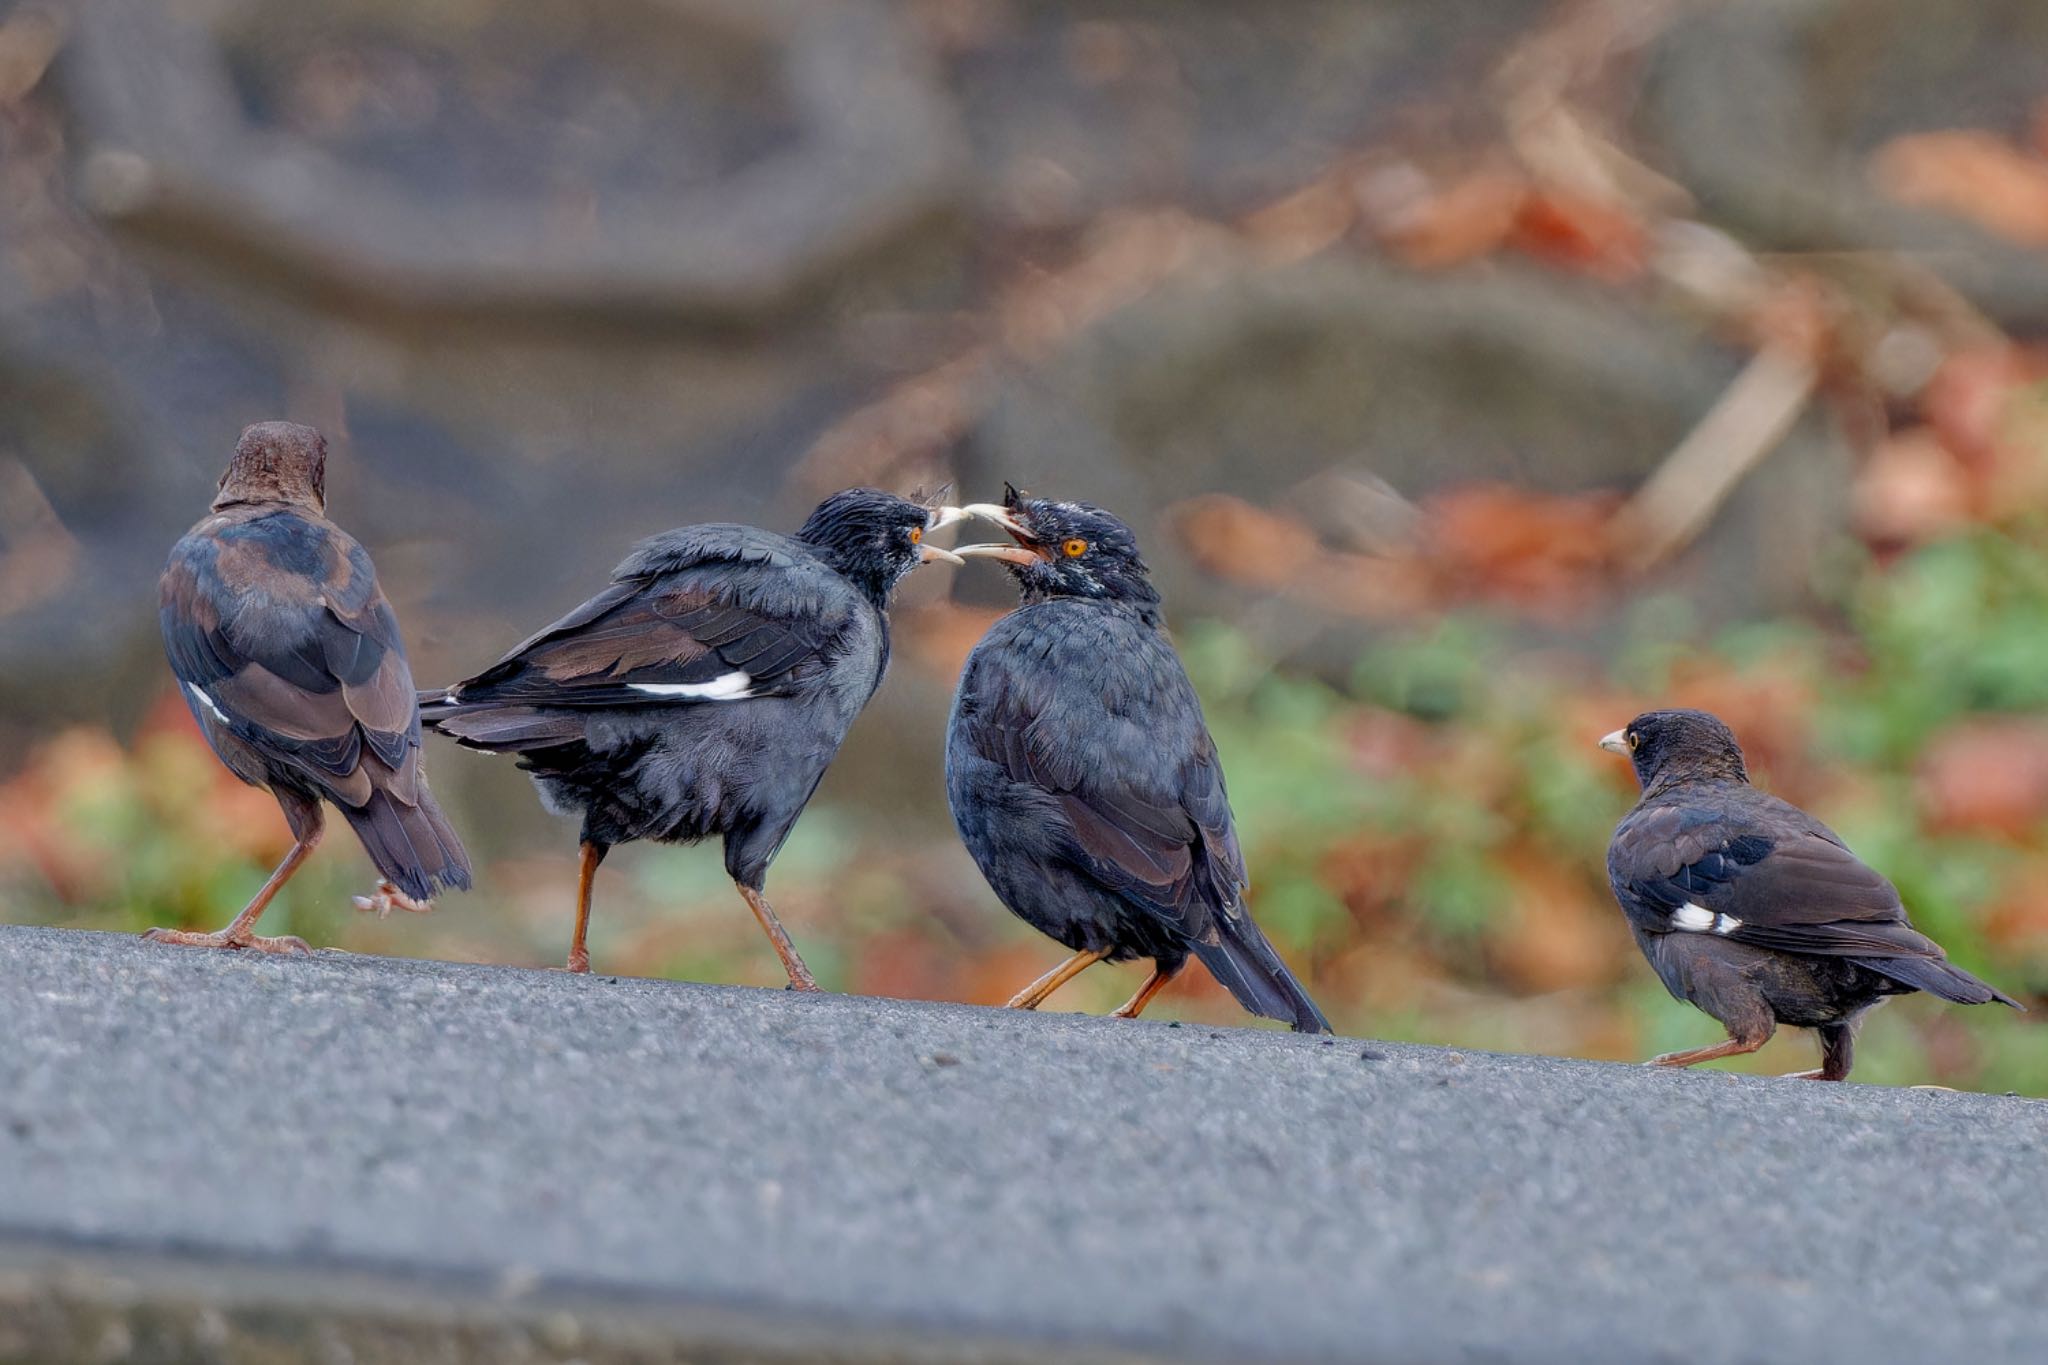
[1773, 112]
[1259, 381]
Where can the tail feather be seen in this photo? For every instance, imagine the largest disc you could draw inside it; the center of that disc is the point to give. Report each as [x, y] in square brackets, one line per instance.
[413, 846]
[497, 729]
[1938, 976]
[1246, 965]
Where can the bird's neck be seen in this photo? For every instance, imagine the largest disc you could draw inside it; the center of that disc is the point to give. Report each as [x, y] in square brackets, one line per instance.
[1666, 781]
[1144, 612]
[873, 582]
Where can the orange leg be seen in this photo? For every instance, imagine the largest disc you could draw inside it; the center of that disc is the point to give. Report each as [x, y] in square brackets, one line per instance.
[800, 978]
[1732, 1047]
[1154, 984]
[241, 931]
[1034, 995]
[586, 872]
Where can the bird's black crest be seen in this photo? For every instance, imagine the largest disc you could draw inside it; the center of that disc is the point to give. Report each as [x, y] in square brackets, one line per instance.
[1107, 565]
[866, 534]
[1675, 745]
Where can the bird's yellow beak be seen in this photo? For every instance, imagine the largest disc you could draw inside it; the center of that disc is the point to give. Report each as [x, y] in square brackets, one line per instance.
[1616, 743]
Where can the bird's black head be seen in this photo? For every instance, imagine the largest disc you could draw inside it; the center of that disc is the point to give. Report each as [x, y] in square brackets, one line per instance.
[874, 538]
[1677, 746]
[1067, 549]
[276, 462]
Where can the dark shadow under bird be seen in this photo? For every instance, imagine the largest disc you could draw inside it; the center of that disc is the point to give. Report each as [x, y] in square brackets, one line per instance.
[1083, 779]
[290, 660]
[1753, 910]
[706, 690]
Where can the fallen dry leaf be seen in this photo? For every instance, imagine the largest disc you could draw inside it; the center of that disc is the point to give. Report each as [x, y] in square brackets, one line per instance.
[1972, 175]
[1987, 776]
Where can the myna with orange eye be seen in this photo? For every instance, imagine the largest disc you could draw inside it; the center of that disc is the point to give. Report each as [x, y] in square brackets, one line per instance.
[706, 689]
[1752, 909]
[1082, 776]
[290, 660]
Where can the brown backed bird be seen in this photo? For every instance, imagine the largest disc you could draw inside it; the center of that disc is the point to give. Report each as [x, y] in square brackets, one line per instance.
[289, 657]
[1753, 910]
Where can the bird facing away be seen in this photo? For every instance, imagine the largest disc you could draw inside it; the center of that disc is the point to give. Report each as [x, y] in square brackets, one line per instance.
[706, 690]
[1752, 909]
[289, 656]
[1083, 779]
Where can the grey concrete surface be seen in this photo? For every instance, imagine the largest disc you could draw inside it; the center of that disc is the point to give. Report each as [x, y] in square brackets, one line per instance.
[624, 1169]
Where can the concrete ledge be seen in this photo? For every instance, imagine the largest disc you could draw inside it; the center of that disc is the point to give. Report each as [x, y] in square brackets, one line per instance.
[210, 1156]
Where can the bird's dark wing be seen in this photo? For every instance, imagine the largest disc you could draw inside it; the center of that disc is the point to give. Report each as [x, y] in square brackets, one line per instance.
[1761, 873]
[1139, 806]
[724, 626]
[281, 638]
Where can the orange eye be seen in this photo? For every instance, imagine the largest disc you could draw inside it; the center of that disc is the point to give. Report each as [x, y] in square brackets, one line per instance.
[916, 534]
[1074, 548]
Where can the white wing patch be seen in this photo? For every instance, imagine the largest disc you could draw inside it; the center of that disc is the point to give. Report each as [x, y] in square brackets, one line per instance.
[1692, 919]
[1697, 919]
[208, 703]
[732, 686]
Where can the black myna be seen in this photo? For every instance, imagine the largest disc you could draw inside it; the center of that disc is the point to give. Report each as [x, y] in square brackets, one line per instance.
[1083, 779]
[706, 690]
[1752, 909]
[290, 659]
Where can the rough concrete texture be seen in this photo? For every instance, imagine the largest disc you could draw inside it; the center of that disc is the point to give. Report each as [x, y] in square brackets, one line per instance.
[212, 1156]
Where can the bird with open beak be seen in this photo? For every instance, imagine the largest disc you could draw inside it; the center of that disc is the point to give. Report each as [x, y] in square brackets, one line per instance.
[290, 660]
[1082, 776]
[1753, 910]
[706, 689]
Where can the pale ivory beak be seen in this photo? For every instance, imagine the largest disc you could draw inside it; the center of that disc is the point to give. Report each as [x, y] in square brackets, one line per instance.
[1616, 743]
[1011, 554]
[942, 517]
[988, 511]
[932, 554]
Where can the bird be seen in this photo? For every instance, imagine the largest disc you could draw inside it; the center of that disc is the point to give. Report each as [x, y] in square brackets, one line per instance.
[290, 659]
[1754, 911]
[1082, 776]
[705, 690]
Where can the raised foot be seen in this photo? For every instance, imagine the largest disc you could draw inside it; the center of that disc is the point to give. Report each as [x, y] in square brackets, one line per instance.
[388, 898]
[255, 943]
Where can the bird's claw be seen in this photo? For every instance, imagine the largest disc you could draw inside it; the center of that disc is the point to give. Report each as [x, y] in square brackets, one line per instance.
[387, 898]
[284, 944]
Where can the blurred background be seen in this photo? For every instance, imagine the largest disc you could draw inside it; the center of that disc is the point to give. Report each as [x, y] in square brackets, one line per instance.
[1478, 373]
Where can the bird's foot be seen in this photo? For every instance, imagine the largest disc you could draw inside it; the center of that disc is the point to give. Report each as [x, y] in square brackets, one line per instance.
[1817, 1074]
[1671, 1059]
[804, 982]
[255, 943]
[388, 898]
[578, 963]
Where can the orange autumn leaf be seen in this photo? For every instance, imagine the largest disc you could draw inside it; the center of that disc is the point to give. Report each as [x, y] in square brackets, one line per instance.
[1971, 175]
[1987, 776]
[1582, 234]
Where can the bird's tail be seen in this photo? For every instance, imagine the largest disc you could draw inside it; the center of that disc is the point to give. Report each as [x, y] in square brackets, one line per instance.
[1246, 965]
[494, 727]
[1938, 976]
[413, 846]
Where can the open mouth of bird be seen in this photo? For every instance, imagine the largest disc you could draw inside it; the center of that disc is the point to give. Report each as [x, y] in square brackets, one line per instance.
[1028, 548]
